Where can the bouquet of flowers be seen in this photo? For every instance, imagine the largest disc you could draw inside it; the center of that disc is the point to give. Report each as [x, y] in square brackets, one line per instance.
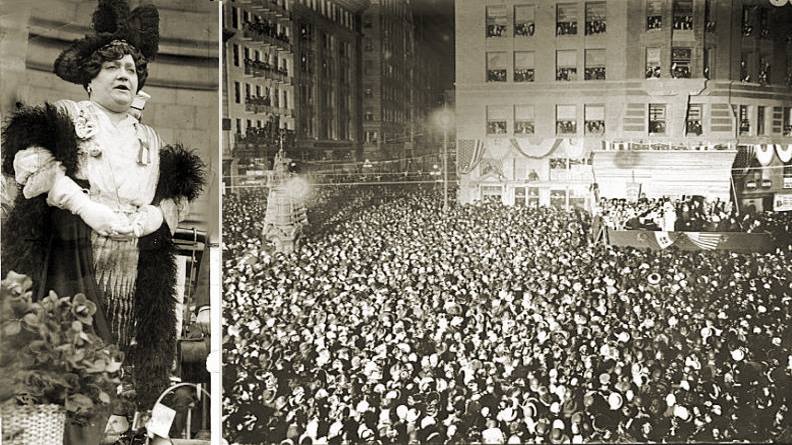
[49, 354]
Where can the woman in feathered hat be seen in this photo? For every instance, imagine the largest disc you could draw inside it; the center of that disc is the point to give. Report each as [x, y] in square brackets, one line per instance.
[100, 194]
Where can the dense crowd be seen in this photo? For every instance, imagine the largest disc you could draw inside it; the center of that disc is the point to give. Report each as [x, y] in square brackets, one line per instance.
[397, 323]
[694, 214]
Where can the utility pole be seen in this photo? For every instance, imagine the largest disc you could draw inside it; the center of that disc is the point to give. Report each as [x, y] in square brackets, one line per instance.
[445, 163]
[445, 121]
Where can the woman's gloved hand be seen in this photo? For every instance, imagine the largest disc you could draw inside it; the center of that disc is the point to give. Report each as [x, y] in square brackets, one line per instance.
[146, 221]
[66, 194]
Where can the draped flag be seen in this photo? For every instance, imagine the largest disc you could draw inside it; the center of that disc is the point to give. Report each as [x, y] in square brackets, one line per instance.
[545, 148]
[764, 154]
[785, 154]
[706, 241]
[742, 162]
[663, 239]
[469, 152]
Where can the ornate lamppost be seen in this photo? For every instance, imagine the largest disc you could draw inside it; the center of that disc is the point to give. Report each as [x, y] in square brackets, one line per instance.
[286, 213]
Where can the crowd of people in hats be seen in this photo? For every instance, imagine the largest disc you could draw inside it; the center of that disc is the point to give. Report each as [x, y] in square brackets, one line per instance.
[398, 323]
[691, 214]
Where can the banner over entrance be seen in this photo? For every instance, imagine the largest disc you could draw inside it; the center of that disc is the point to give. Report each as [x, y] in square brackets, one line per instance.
[664, 173]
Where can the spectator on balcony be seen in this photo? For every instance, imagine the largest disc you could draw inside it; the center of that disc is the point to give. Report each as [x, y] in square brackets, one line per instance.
[595, 26]
[680, 71]
[566, 28]
[654, 22]
[568, 74]
[653, 72]
[524, 29]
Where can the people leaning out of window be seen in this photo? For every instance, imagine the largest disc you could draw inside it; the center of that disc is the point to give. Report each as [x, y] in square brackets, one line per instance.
[596, 26]
[524, 29]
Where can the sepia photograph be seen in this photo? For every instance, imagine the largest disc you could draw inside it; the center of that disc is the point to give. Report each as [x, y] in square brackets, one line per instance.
[507, 221]
[302, 222]
[110, 209]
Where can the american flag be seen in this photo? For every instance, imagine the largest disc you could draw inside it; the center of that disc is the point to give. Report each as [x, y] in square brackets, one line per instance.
[469, 152]
[706, 241]
[663, 239]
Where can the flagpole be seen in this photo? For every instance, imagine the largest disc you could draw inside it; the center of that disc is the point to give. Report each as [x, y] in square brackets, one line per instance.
[734, 194]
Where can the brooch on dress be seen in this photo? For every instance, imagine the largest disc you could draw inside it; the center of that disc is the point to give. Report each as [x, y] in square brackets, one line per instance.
[144, 154]
[85, 128]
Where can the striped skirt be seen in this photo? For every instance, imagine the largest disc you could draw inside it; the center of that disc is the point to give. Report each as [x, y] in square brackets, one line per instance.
[115, 266]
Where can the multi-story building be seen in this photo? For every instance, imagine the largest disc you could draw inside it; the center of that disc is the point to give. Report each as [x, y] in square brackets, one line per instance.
[433, 76]
[292, 72]
[657, 97]
[258, 105]
[328, 88]
[406, 68]
[388, 58]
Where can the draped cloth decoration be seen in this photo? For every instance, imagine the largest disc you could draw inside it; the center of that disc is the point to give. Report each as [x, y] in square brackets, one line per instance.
[784, 154]
[469, 153]
[705, 241]
[742, 162]
[546, 148]
[764, 154]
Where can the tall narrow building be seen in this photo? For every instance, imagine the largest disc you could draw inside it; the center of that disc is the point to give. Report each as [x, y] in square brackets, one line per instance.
[292, 79]
[654, 97]
[327, 50]
[433, 74]
[388, 60]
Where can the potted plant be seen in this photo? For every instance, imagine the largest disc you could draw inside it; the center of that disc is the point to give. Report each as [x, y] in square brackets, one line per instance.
[52, 366]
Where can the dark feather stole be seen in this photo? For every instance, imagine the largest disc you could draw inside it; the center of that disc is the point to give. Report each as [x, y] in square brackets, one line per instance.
[26, 233]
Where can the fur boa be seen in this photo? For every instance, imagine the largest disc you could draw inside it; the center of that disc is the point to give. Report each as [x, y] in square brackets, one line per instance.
[25, 237]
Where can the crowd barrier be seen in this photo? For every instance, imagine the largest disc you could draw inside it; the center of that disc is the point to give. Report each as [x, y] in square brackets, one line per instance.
[731, 241]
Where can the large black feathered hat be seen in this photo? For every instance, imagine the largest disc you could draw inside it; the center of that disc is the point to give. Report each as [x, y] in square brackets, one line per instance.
[112, 21]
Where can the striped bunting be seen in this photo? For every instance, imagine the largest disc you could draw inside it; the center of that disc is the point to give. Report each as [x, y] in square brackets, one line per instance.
[706, 241]
[469, 152]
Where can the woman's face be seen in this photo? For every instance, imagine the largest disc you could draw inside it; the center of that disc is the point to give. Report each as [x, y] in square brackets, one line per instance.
[116, 84]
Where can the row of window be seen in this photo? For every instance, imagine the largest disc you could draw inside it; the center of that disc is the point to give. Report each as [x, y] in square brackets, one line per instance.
[388, 115]
[372, 137]
[242, 18]
[332, 11]
[523, 20]
[566, 122]
[594, 15]
[266, 96]
[522, 64]
[329, 41]
[745, 123]
[251, 124]
[566, 119]
[259, 56]
[524, 70]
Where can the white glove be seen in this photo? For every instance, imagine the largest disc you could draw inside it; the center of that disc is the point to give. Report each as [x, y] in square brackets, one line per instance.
[66, 194]
[147, 220]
